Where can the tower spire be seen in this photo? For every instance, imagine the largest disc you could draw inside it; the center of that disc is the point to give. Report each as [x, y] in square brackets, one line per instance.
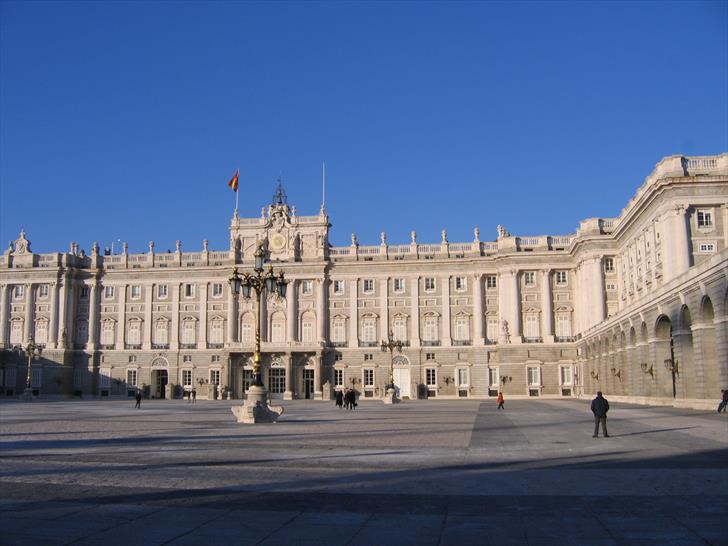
[323, 193]
[280, 197]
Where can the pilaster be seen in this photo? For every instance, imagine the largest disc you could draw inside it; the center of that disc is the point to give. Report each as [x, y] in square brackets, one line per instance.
[121, 327]
[415, 312]
[547, 312]
[204, 287]
[53, 326]
[446, 320]
[147, 336]
[4, 306]
[93, 305]
[28, 333]
[354, 313]
[291, 304]
[478, 338]
[288, 394]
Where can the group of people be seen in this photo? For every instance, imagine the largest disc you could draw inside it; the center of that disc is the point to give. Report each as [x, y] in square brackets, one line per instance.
[346, 399]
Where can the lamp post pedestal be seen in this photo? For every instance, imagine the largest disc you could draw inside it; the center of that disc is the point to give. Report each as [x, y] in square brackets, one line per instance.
[391, 396]
[256, 408]
[28, 394]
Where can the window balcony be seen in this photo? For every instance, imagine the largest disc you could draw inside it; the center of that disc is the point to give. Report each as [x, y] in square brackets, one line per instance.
[369, 344]
[107, 347]
[431, 342]
[188, 345]
[160, 346]
[565, 339]
[532, 340]
[339, 344]
[491, 341]
[133, 346]
[461, 342]
[215, 345]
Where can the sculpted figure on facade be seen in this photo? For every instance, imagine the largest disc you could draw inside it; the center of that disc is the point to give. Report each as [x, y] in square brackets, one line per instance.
[383, 238]
[443, 234]
[476, 235]
[413, 237]
[354, 241]
[22, 245]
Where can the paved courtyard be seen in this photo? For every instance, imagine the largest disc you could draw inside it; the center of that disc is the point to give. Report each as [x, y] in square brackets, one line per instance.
[459, 472]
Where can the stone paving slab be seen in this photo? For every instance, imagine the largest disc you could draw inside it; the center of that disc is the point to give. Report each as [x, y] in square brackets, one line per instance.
[444, 472]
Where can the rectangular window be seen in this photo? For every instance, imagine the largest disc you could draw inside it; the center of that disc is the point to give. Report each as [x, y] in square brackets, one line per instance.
[186, 378]
[461, 283]
[277, 380]
[187, 358]
[429, 356]
[162, 291]
[338, 332]
[43, 291]
[131, 378]
[108, 292]
[216, 290]
[707, 247]
[84, 292]
[18, 291]
[462, 328]
[400, 328]
[431, 330]
[246, 333]
[429, 284]
[339, 287]
[491, 329]
[532, 327]
[490, 281]
[529, 278]
[431, 377]
[534, 376]
[276, 335]
[369, 325]
[563, 324]
[215, 358]
[105, 378]
[134, 332]
[107, 332]
[136, 292]
[338, 378]
[368, 356]
[609, 265]
[307, 287]
[399, 285]
[705, 218]
[189, 290]
[132, 358]
[307, 332]
[565, 375]
[368, 286]
[561, 277]
[215, 377]
[368, 378]
[463, 377]
[338, 357]
[493, 377]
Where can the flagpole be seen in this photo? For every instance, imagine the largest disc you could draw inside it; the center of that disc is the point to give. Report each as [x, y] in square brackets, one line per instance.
[236, 192]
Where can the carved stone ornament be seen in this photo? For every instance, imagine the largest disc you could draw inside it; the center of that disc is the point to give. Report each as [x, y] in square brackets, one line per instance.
[22, 245]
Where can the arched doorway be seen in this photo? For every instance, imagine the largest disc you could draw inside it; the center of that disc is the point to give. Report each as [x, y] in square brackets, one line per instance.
[401, 375]
[159, 378]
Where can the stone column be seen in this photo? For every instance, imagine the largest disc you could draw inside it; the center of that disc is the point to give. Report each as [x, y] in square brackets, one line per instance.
[174, 334]
[317, 389]
[29, 332]
[321, 310]
[63, 312]
[93, 304]
[232, 318]
[53, 326]
[675, 249]
[547, 308]
[291, 315]
[147, 337]
[121, 326]
[478, 338]
[384, 308]
[4, 300]
[446, 326]
[204, 287]
[415, 309]
[354, 313]
[288, 394]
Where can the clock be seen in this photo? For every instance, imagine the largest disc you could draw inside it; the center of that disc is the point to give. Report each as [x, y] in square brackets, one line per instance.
[277, 242]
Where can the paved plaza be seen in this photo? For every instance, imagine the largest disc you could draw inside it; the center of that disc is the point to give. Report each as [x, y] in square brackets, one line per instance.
[459, 472]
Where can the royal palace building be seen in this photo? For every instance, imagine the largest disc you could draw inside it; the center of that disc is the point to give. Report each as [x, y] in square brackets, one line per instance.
[635, 306]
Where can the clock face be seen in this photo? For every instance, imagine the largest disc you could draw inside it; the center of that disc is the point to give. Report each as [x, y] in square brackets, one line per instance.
[277, 241]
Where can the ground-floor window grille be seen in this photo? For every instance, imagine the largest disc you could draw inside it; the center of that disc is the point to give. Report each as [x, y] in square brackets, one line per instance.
[214, 377]
[277, 380]
[338, 378]
[187, 378]
[131, 378]
[368, 378]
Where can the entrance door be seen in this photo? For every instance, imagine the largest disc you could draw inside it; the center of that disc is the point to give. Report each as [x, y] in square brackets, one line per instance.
[161, 383]
[402, 382]
[308, 384]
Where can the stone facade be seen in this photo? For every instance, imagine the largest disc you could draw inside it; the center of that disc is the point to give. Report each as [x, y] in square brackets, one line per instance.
[601, 309]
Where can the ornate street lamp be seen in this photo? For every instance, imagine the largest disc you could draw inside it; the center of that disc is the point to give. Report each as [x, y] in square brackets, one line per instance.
[390, 345]
[32, 350]
[246, 284]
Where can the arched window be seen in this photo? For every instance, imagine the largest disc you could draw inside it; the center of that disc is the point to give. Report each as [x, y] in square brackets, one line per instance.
[217, 330]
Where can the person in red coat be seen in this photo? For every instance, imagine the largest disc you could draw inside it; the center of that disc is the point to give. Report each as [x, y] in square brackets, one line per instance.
[500, 401]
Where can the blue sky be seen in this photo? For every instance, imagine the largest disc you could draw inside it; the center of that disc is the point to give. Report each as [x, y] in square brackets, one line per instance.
[125, 120]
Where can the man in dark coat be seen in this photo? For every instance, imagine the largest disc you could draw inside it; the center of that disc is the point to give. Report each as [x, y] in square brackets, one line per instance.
[138, 399]
[600, 407]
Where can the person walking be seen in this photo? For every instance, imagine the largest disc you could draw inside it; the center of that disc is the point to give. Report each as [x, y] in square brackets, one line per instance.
[339, 396]
[194, 396]
[724, 401]
[138, 399]
[500, 401]
[600, 407]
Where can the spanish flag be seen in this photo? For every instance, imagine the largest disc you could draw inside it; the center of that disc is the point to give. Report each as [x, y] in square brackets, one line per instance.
[234, 181]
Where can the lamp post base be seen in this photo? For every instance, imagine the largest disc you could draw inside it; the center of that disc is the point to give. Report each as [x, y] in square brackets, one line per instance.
[28, 394]
[391, 397]
[256, 408]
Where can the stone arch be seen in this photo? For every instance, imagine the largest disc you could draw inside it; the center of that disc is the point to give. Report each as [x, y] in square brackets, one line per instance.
[662, 351]
[706, 350]
[690, 381]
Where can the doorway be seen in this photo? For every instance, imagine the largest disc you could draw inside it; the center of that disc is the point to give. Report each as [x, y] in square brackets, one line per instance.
[308, 384]
[160, 383]
[402, 382]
